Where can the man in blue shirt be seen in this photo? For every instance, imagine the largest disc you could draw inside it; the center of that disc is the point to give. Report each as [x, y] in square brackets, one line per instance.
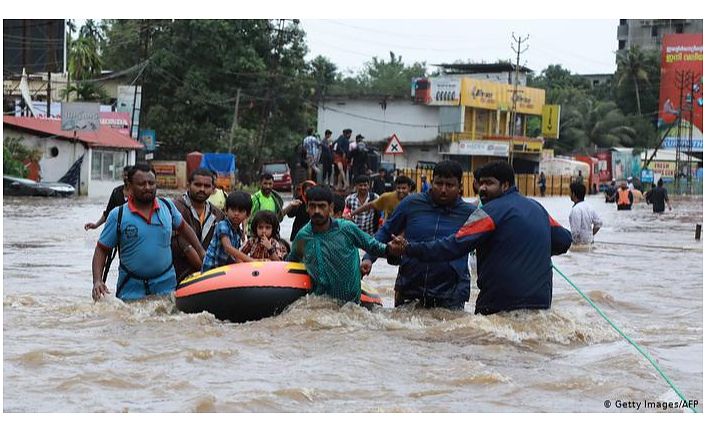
[142, 230]
[515, 239]
[430, 216]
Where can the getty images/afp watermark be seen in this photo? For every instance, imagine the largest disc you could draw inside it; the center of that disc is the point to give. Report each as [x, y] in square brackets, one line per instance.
[651, 405]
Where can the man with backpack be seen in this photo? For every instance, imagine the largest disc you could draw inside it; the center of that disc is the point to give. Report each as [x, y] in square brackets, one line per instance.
[142, 231]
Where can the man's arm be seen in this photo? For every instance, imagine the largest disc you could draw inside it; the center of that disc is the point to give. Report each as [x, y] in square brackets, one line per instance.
[194, 251]
[363, 208]
[98, 265]
[393, 225]
[561, 238]
[479, 227]
[95, 225]
[597, 222]
[364, 241]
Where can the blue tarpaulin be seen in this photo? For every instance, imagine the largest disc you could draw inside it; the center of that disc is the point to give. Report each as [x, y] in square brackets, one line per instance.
[221, 164]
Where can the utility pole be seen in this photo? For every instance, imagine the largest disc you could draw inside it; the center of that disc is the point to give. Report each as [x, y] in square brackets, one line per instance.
[513, 116]
[234, 127]
[681, 80]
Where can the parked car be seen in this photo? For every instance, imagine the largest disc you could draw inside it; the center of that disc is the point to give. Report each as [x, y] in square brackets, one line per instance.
[281, 173]
[13, 186]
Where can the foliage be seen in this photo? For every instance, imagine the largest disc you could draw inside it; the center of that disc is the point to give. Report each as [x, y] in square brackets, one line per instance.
[195, 70]
[85, 62]
[381, 78]
[635, 67]
[14, 156]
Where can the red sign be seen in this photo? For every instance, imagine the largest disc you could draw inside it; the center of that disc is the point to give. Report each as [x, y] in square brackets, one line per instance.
[681, 83]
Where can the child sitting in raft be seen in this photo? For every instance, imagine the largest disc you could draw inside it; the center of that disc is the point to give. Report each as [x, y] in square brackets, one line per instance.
[265, 243]
[224, 247]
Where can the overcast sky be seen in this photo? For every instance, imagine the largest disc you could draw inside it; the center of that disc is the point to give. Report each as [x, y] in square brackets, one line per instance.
[582, 46]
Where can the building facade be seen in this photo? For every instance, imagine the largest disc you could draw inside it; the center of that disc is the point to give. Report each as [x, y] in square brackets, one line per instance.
[448, 117]
[648, 33]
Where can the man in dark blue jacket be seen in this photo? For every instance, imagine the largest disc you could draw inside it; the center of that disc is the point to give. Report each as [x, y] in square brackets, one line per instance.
[430, 216]
[514, 238]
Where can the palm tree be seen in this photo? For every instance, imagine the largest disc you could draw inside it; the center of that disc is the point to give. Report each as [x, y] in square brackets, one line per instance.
[632, 66]
[84, 61]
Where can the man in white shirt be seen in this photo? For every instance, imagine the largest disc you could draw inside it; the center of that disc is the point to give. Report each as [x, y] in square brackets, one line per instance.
[583, 219]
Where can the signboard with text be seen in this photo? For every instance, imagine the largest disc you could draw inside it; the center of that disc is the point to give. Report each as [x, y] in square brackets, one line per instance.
[80, 116]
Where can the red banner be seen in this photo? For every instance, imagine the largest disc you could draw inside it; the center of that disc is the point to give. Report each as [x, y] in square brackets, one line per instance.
[681, 88]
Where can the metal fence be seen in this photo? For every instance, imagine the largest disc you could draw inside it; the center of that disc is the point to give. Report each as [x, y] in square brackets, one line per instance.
[527, 184]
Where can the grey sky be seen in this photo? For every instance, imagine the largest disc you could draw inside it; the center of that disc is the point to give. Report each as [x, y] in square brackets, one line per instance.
[582, 46]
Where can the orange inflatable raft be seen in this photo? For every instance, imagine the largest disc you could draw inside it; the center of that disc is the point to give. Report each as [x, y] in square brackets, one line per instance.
[250, 291]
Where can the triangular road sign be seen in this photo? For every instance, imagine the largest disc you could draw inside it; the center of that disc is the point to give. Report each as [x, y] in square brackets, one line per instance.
[394, 146]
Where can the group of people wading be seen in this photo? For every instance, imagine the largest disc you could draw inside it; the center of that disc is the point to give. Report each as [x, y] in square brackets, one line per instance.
[429, 235]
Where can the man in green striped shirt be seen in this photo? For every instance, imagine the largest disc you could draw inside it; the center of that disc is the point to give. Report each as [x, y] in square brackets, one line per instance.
[329, 248]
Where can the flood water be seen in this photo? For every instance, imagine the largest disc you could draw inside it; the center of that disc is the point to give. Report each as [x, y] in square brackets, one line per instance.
[64, 353]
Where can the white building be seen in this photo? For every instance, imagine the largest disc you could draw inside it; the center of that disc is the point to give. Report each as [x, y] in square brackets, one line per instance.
[378, 118]
[105, 152]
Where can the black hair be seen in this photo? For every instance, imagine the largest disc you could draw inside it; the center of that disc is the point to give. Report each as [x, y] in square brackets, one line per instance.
[500, 170]
[403, 179]
[310, 131]
[360, 179]
[266, 217]
[127, 168]
[142, 167]
[579, 190]
[328, 132]
[660, 183]
[339, 204]
[347, 131]
[203, 172]
[449, 169]
[319, 193]
[239, 200]
[267, 176]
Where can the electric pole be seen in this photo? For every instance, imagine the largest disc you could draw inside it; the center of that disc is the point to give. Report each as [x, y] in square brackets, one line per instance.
[513, 117]
[234, 127]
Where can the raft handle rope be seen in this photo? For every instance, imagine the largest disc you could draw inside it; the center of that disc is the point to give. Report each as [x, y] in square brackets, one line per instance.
[629, 340]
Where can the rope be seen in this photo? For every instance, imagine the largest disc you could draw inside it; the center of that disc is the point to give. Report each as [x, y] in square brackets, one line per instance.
[629, 340]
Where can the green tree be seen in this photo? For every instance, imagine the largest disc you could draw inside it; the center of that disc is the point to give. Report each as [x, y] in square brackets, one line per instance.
[85, 62]
[194, 72]
[632, 67]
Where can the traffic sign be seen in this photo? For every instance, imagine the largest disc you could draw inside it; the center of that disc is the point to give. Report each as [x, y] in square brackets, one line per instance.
[394, 146]
[551, 115]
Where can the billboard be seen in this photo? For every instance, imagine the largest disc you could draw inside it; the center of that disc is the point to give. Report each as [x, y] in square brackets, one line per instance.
[442, 91]
[80, 116]
[130, 101]
[681, 90]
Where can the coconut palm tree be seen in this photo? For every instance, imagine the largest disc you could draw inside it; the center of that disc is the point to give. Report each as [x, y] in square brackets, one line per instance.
[632, 66]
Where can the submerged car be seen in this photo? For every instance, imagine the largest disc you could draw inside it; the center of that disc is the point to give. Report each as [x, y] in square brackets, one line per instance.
[15, 186]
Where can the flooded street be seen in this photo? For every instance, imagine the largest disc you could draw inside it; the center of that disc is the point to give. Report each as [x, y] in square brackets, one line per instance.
[63, 353]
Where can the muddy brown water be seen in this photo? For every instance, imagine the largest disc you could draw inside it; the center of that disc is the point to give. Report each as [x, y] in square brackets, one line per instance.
[63, 353]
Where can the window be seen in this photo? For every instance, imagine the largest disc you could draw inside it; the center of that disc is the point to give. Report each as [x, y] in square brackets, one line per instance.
[679, 28]
[621, 44]
[655, 31]
[108, 165]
